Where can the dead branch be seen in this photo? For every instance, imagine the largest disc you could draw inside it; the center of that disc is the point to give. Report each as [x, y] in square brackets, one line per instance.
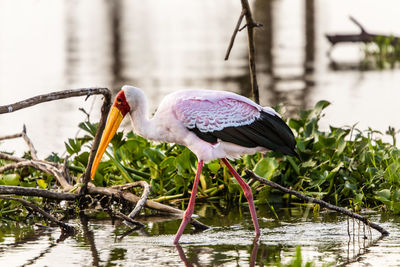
[64, 227]
[143, 198]
[26, 139]
[11, 136]
[92, 189]
[142, 201]
[53, 96]
[129, 219]
[35, 192]
[252, 51]
[228, 51]
[250, 24]
[67, 94]
[363, 36]
[358, 24]
[40, 165]
[29, 143]
[96, 142]
[318, 201]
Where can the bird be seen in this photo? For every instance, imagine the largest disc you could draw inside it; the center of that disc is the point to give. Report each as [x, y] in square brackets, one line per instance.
[212, 124]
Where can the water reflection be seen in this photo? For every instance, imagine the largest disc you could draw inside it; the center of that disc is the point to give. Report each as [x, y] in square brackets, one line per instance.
[104, 242]
[162, 47]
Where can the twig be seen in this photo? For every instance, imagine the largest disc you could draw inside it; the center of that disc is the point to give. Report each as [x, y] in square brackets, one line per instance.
[26, 139]
[128, 219]
[64, 227]
[228, 51]
[318, 201]
[11, 136]
[143, 198]
[36, 192]
[29, 143]
[358, 24]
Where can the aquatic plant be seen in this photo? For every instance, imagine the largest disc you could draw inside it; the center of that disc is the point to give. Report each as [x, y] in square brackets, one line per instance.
[344, 166]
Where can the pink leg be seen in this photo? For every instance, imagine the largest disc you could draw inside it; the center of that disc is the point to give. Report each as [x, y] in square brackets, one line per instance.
[189, 211]
[247, 194]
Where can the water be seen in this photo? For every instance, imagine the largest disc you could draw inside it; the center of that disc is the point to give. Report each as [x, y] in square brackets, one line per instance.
[161, 47]
[323, 239]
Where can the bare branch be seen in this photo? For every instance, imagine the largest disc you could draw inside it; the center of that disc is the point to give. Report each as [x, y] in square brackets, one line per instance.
[11, 136]
[228, 51]
[252, 61]
[143, 199]
[358, 24]
[318, 201]
[250, 25]
[129, 219]
[40, 165]
[26, 139]
[51, 97]
[29, 143]
[149, 204]
[64, 227]
[96, 142]
[35, 192]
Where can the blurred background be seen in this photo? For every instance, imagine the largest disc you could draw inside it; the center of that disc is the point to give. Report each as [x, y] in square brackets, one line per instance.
[163, 46]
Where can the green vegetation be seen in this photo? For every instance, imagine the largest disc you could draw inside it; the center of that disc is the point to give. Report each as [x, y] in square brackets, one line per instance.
[344, 166]
[384, 53]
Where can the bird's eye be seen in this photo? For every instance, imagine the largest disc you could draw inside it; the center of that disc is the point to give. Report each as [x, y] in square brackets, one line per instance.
[119, 100]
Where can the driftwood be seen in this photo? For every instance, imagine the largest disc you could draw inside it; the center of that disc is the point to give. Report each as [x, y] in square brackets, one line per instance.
[320, 202]
[250, 25]
[364, 36]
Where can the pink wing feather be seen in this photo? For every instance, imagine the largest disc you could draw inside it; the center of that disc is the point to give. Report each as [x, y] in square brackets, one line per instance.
[214, 115]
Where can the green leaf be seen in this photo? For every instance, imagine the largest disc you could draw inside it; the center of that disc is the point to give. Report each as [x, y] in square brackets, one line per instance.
[155, 155]
[89, 127]
[214, 167]
[321, 105]
[384, 194]
[266, 167]
[179, 182]
[295, 124]
[10, 179]
[341, 145]
[41, 183]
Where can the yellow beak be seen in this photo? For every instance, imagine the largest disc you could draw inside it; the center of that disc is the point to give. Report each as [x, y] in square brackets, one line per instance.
[113, 121]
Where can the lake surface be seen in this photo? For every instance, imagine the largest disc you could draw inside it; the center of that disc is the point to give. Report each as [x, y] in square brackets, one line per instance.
[164, 46]
[323, 239]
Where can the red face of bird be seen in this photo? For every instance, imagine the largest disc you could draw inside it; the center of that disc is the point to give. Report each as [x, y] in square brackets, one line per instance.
[118, 111]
